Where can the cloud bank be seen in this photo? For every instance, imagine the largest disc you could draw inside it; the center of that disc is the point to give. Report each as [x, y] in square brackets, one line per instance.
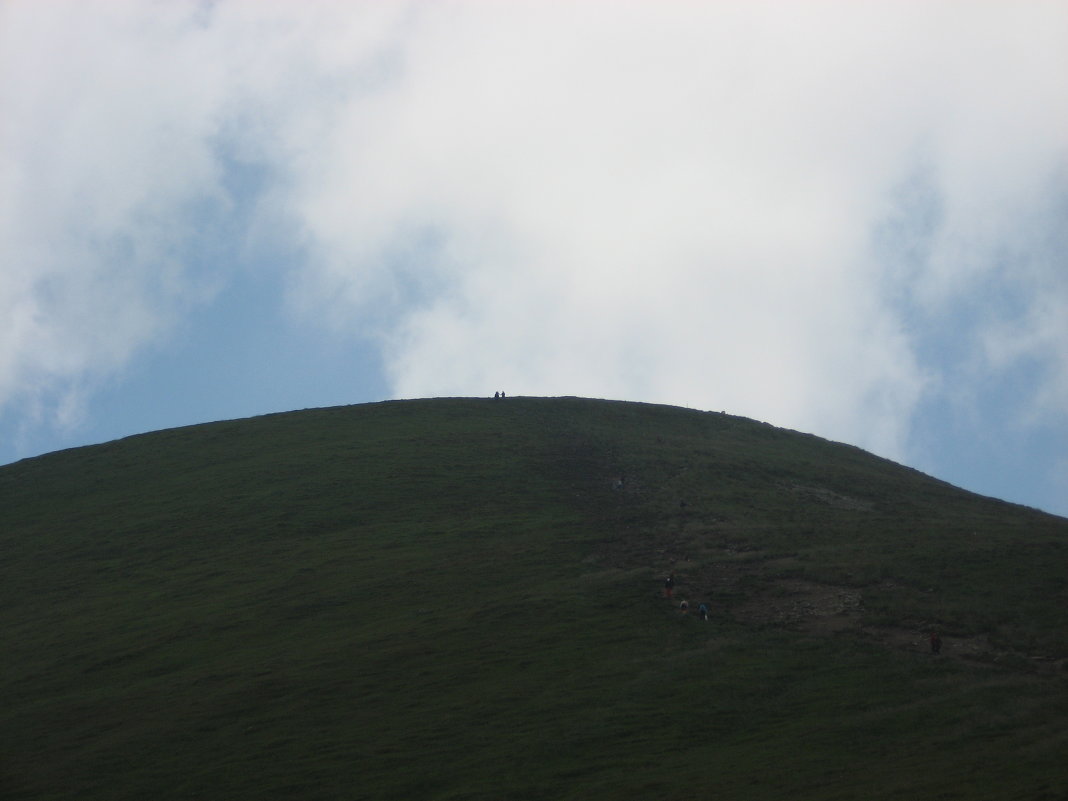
[827, 215]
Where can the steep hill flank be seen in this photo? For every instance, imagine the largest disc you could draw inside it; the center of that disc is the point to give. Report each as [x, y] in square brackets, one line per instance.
[461, 598]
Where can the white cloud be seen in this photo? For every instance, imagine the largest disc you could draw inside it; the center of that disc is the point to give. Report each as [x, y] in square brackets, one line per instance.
[676, 203]
[103, 151]
[669, 202]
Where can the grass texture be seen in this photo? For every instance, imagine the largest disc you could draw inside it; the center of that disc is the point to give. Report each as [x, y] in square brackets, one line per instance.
[461, 599]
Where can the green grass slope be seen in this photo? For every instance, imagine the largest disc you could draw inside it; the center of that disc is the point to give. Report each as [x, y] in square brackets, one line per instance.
[453, 599]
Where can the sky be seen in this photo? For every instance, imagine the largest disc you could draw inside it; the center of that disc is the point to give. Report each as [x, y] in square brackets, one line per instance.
[848, 219]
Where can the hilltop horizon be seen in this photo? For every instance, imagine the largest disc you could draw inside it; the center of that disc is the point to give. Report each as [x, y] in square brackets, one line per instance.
[194, 424]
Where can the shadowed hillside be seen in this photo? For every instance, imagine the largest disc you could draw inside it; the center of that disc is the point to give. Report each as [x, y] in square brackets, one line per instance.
[462, 599]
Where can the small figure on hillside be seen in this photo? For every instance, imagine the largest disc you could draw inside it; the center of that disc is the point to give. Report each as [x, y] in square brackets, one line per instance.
[936, 643]
[669, 586]
[497, 395]
[502, 394]
[684, 607]
[702, 611]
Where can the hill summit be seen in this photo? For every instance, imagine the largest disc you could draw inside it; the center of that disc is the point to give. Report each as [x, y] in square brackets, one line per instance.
[464, 599]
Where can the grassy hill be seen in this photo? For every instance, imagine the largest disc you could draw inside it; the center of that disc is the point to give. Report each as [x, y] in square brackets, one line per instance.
[462, 599]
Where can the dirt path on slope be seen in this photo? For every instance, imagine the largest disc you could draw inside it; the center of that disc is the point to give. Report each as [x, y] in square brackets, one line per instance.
[826, 610]
[742, 586]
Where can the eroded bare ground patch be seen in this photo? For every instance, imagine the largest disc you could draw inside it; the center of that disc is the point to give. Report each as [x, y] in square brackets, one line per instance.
[741, 584]
[828, 497]
[824, 610]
